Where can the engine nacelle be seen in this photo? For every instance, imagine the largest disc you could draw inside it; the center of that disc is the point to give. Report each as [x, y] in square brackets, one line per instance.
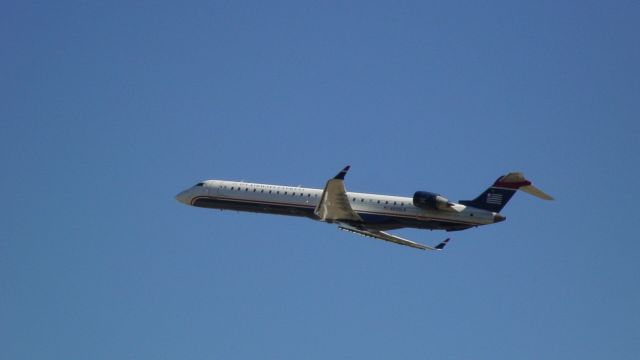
[430, 201]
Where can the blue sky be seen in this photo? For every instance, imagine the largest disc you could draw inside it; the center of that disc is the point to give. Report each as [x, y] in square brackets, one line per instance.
[110, 109]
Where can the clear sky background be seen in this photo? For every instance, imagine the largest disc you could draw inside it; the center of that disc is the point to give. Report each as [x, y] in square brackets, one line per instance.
[110, 109]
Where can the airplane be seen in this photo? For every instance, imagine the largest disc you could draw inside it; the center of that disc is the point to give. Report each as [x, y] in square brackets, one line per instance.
[370, 215]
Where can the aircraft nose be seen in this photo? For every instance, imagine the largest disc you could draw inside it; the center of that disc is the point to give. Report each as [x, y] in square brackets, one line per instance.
[497, 218]
[184, 198]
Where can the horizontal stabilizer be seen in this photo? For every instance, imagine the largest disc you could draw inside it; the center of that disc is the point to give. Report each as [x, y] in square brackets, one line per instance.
[530, 189]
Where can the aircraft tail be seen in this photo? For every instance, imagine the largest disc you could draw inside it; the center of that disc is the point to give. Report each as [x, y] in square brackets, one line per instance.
[497, 196]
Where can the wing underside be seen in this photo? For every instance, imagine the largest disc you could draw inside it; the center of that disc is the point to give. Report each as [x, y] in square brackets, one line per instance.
[334, 203]
[381, 235]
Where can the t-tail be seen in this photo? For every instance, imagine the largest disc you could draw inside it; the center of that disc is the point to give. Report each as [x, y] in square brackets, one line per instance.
[497, 196]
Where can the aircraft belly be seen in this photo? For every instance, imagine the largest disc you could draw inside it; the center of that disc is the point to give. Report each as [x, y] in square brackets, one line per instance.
[388, 222]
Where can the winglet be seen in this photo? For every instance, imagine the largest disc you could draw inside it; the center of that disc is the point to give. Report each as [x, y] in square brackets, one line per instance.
[442, 244]
[342, 173]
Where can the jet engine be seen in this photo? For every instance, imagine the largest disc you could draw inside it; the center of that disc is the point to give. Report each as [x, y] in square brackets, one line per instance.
[430, 201]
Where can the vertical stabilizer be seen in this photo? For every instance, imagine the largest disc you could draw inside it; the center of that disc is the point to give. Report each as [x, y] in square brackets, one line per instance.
[497, 196]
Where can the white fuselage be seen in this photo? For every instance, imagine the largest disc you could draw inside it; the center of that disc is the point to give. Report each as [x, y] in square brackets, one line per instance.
[384, 211]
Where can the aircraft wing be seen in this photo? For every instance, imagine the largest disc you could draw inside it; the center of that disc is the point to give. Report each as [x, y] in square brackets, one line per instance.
[334, 206]
[388, 237]
[334, 203]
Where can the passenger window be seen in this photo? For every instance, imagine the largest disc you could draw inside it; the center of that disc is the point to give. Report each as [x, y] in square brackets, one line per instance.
[354, 199]
[254, 190]
[232, 188]
[361, 200]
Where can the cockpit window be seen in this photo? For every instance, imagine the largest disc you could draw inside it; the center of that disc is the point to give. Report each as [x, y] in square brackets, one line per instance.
[200, 184]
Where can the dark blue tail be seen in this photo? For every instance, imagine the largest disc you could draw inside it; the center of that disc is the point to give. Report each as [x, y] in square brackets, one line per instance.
[497, 196]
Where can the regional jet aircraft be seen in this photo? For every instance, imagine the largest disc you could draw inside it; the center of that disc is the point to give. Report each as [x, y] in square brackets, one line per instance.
[369, 215]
